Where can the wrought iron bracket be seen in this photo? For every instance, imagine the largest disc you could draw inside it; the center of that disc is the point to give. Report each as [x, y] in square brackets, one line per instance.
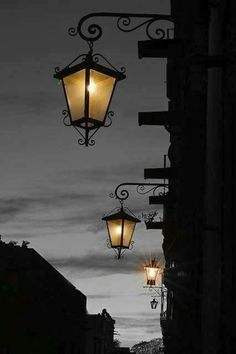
[122, 194]
[156, 289]
[124, 23]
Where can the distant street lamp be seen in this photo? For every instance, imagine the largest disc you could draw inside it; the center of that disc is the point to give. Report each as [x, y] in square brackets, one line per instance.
[88, 88]
[122, 222]
[154, 303]
[120, 226]
[152, 271]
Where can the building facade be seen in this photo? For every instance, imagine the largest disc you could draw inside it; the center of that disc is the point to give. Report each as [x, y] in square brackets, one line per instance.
[199, 227]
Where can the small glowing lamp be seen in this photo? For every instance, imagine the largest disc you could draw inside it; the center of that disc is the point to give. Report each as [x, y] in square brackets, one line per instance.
[152, 270]
[120, 226]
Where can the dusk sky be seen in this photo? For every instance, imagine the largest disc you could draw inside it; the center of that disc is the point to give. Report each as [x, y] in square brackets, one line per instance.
[55, 192]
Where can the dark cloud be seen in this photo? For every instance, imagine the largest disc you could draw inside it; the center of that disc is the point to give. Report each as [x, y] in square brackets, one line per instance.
[58, 210]
[11, 207]
[94, 263]
[108, 174]
[143, 321]
[19, 235]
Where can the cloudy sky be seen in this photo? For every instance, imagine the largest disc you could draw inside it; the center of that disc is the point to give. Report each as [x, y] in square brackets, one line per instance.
[55, 192]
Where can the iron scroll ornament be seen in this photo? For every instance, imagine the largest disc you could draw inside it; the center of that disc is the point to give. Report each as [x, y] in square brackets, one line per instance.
[141, 188]
[94, 31]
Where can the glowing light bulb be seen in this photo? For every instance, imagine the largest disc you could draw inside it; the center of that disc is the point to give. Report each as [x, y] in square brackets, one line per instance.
[118, 230]
[92, 87]
[152, 273]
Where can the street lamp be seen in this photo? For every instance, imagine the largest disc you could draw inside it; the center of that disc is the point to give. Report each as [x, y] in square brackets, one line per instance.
[122, 222]
[120, 226]
[152, 270]
[88, 88]
[154, 303]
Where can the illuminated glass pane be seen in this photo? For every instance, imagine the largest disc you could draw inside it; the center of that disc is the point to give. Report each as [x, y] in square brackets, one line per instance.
[100, 90]
[115, 231]
[75, 91]
[128, 232]
[152, 273]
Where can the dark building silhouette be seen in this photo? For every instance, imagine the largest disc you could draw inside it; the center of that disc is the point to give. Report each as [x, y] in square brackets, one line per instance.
[42, 312]
[122, 350]
[199, 221]
[99, 334]
[199, 210]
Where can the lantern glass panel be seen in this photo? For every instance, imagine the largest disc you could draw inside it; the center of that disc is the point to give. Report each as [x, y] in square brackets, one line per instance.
[100, 90]
[151, 275]
[128, 232]
[115, 232]
[75, 91]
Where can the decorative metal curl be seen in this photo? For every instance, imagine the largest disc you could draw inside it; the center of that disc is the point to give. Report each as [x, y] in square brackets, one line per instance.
[124, 22]
[123, 194]
[108, 121]
[93, 32]
[141, 189]
[96, 58]
[87, 142]
[57, 69]
[160, 33]
[91, 142]
[131, 245]
[72, 31]
[66, 116]
[85, 139]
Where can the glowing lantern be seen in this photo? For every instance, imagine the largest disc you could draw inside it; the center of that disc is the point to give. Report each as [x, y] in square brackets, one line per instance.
[152, 270]
[88, 88]
[120, 226]
[154, 303]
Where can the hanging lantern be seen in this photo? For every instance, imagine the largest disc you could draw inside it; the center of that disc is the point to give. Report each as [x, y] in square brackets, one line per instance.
[154, 303]
[152, 270]
[88, 88]
[120, 226]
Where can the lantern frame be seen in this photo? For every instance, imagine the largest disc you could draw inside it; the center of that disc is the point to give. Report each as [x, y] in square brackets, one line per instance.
[151, 279]
[121, 214]
[86, 123]
[154, 303]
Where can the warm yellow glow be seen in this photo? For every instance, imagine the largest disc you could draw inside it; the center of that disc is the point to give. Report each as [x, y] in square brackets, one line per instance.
[75, 87]
[118, 230]
[100, 93]
[121, 232]
[152, 273]
[92, 87]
